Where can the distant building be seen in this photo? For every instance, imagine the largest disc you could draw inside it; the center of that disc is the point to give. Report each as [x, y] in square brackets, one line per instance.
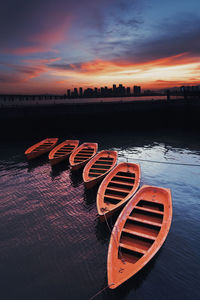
[136, 90]
[95, 92]
[68, 93]
[75, 92]
[80, 92]
[120, 91]
[128, 91]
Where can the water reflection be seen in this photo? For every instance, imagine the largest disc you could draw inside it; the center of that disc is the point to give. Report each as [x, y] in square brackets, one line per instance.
[59, 169]
[76, 177]
[135, 282]
[90, 195]
[37, 162]
[103, 229]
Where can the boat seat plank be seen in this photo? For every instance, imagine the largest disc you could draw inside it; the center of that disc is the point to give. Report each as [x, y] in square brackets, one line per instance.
[65, 149]
[132, 248]
[63, 152]
[94, 175]
[79, 160]
[82, 156]
[101, 162]
[118, 189]
[141, 234]
[122, 183]
[115, 197]
[149, 210]
[60, 151]
[91, 173]
[87, 150]
[125, 177]
[98, 169]
[101, 166]
[104, 165]
[142, 220]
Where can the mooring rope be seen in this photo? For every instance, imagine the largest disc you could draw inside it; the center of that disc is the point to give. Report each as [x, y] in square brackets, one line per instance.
[123, 260]
[165, 162]
[100, 291]
[118, 246]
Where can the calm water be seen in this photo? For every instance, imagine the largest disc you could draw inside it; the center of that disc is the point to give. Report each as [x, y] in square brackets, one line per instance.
[15, 101]
[52, 244]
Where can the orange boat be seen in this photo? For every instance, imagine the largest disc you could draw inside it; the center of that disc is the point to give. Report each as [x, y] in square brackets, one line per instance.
[62, 151]
[117, 188]
[40, 148]
[98, 167]
[138, 234]
[82, 155]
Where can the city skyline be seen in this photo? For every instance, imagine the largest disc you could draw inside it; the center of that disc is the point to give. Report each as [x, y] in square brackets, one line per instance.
[114, 91]
[49, 47]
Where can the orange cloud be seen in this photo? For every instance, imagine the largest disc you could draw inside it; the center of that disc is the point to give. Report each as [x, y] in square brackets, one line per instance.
[162, 73]
[165, 72]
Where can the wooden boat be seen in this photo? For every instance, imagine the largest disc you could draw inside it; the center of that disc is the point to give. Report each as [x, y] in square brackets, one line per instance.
[117, 188]
[98, 167]
[40, 148]
[82, 155]
[138, 234]
[62, 151]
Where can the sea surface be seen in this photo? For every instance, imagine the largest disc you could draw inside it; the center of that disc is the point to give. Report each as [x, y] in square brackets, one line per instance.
[52, 243]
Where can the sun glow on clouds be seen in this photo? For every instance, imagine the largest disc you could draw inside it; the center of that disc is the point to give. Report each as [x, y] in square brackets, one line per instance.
[53, 76]
[156, 73]
[62, 44]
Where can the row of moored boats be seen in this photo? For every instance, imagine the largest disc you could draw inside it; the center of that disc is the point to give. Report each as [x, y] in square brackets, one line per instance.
[144, 222]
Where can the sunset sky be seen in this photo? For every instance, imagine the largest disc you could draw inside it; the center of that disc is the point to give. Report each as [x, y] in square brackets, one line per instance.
[48, 46]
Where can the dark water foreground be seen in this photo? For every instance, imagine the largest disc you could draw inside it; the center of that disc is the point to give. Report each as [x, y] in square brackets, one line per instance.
[52, 244]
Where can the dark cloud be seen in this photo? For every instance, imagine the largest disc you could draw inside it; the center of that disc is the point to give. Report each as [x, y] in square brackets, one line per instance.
[10, 78]
[169, 42]
[20, 73]
[64, 66]
[20, 19]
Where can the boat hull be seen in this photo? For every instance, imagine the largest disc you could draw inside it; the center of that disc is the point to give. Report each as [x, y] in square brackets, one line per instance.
[40, 148]
[138, 234]
[98, 167]
[80, 157]
[117, 188]
[62, 152]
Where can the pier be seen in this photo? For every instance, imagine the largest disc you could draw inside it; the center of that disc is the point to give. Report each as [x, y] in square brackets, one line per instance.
[98, 113]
